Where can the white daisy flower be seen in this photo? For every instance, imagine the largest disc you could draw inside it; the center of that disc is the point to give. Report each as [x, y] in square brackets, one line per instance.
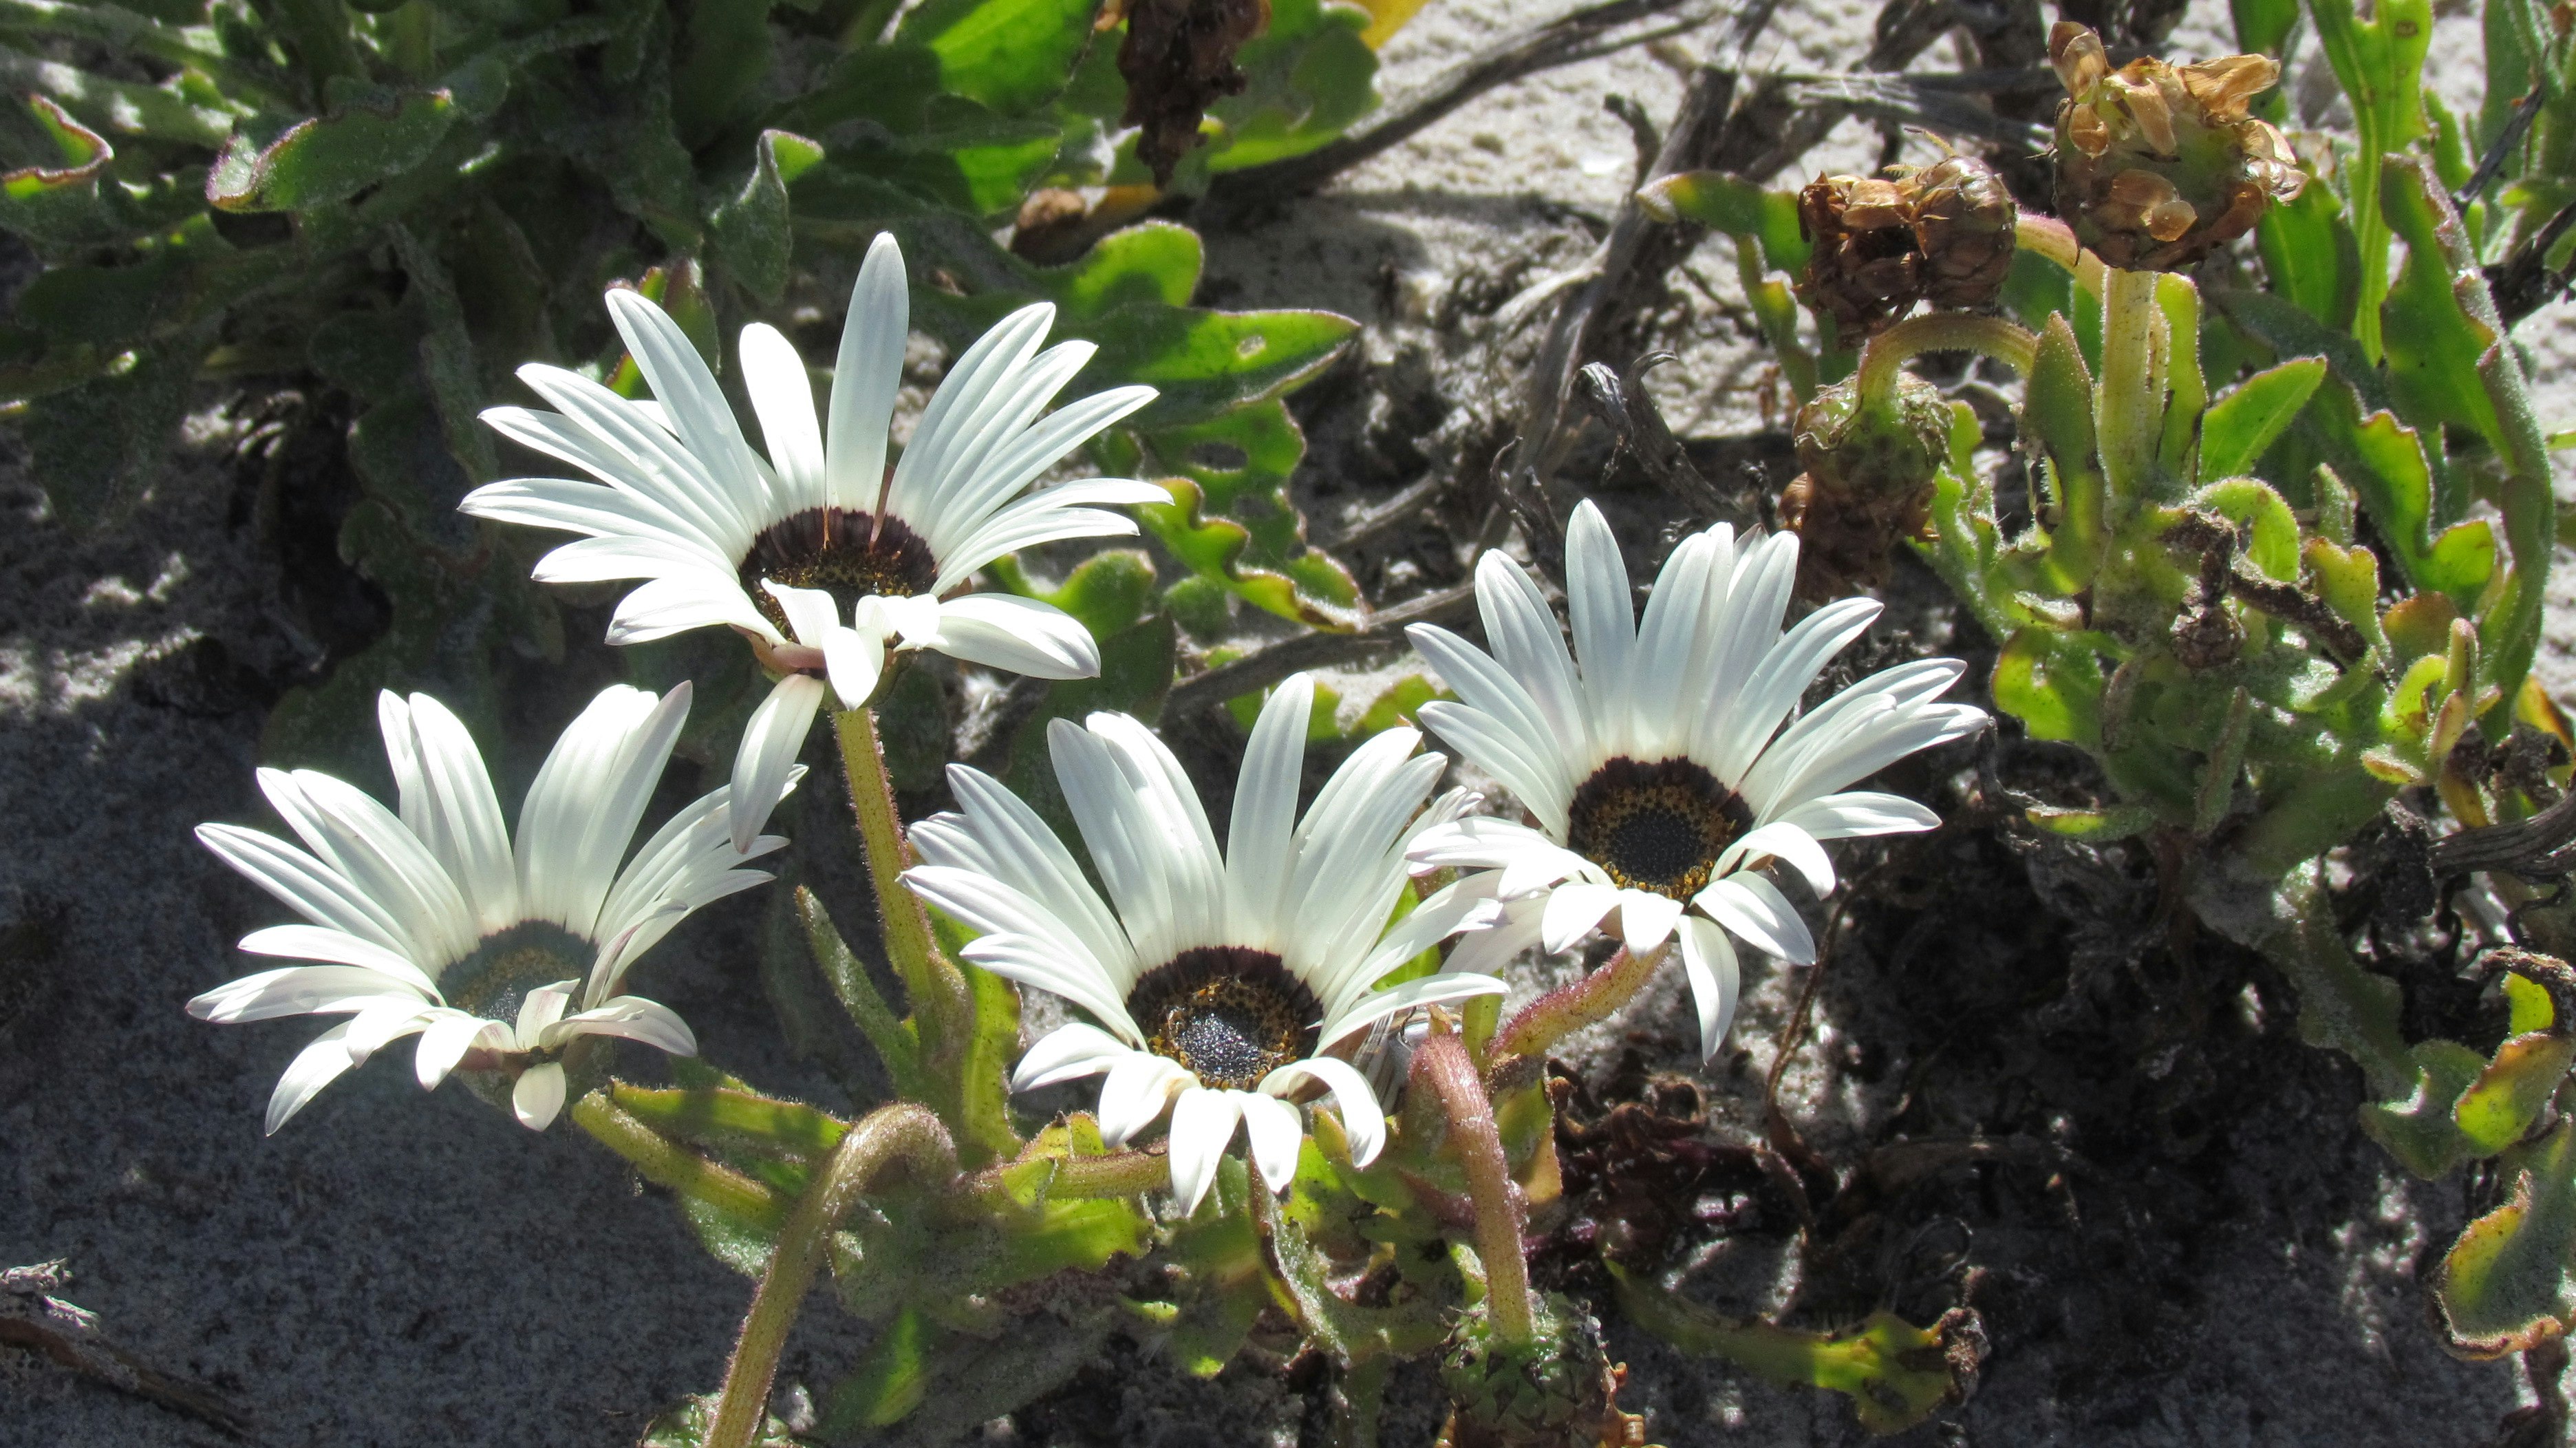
[1219, 979]
[1654, 758]
[432, 922]
[818, 553]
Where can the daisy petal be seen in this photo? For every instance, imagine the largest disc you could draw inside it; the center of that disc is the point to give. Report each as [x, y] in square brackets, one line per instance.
[766, 758]
[1068, 1053]
[1017, 635]
[1708, 963]
[314, 1067]
[1361, 1116]
[1758, 913]
[1203, 1124]
[1645, 919]
[1271, 1126]
[538, 1096]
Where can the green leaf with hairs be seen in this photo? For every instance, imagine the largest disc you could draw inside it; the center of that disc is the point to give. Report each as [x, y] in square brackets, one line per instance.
[2504, 1285]
[1011, 55]
[2246, 420]
[752, 231]
[370, 135]
[2433, 343]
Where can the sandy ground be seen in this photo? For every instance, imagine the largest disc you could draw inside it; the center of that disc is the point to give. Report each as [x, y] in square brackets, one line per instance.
[392, 1270]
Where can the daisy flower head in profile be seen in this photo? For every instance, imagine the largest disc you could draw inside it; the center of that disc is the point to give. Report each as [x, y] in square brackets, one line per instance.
[432, 920]
[1664, 761]
[1217, 982]
[819, 553]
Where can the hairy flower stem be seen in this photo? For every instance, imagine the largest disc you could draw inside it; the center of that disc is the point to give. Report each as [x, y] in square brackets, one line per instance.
[1888, 352]
[902, 1132]
[1441, 1066]
[665, 1163]
[1569, 1008]
[937, 987]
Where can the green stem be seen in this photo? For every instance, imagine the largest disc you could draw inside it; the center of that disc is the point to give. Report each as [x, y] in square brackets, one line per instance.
[665, 1163]
[902, 1132]
[2126, 400]
[1120, 1174]
[1569, 1008]
[1938, 332]
[938, 988]
[1441, 1066]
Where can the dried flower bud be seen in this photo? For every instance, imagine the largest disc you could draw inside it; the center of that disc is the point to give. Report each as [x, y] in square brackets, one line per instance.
[1178, 59]
[2158, 164]
[1867, 482]
[1943, 234]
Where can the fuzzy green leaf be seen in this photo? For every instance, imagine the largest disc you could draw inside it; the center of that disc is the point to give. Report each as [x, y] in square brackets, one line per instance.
[752, 231]
[370, 135]
[2249, 418]
[2504, 1284]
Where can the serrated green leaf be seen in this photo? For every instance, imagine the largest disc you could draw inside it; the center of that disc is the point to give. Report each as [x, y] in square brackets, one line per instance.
[2249, 418]
[985, 1133]
[370, 135]
[2433, 344]
[160, 113]
[1895, 1373]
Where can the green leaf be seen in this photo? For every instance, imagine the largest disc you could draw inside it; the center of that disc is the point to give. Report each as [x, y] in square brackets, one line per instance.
[1231, 519]
[97, 445]
[2498, 1107]
[896, 1042]
[160, 113]
[2311, 259]
[1895, 1373]
[892, 1376]
[2098, 826]
[2504, 1285]
[993, 1042]
[370, 135]
[2249, 418]
[752, 231]
[2385, 463]
[687, 1426]
[2434, 345]
[2263, 26]
[2053, 688]
[1010, 55]
[721, 61]
[732, 1117]
[2381, 65]
[1722, 202]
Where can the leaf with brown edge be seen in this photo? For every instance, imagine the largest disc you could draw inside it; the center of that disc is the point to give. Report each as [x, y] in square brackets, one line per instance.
[2503, 1285]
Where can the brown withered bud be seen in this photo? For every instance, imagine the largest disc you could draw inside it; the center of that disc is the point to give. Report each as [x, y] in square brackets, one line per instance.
[2159, 164]
[1178, 59]
[1866, 483]
[1942, 234]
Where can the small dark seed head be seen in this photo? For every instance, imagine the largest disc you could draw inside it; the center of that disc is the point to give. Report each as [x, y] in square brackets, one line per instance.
[1658, 826]
[1229, 1013]
[846, 553]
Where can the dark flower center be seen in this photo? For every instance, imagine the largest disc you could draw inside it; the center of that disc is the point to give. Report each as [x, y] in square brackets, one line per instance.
[1229, 1013]
[1658, 826]
[495, 980]
[844, 552]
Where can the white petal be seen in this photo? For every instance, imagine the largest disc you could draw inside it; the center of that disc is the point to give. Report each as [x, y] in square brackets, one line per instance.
[1260, 860]
[1375, 1006]
[679, 602]
[1757, 912]
[1361, 1116]
[811, 612]
[856, 662]
[783, 397]
[304, 884]
[1271, 1126]
[299, 990]
[631, 1018]
[1572, 910]
[444, 1042]
[1788, 843]
[867, 375]
[314, 1067]
[1860, 813]
[1536, 779]
[1068, 1053]
[1645, 918]
[1203, 1124]
[1133, 1097]
[766, 758]
[461, 821]
[313, 942]
[538, 1096]
[1017, 635]
[1605, 623]
[1708, 963]
[1527, 645]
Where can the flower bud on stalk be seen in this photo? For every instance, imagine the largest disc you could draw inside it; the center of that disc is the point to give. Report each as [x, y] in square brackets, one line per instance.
[2157, 164]
[1943, 234]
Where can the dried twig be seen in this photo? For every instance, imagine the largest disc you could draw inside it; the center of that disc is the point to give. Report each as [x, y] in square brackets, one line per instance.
[1625, 407]
[1268, 666]
[33, 1318]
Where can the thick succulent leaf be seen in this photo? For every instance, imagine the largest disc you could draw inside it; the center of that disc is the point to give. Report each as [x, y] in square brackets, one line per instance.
[2310, 257]
[172, 112]
[2053, 687]
[2504, 1285]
